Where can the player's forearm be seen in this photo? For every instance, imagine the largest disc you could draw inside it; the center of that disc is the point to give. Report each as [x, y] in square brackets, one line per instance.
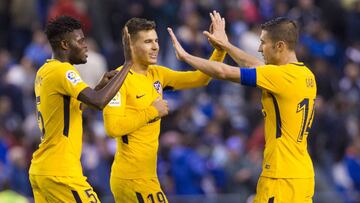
[108, 92]
[117, 126]
[194, 79]
[200, 79]
[242, 58]
[100, 98]
[214, 69]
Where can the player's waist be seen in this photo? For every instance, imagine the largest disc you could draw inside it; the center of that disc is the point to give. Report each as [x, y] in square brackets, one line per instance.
[130, 170]
[287, 170]
[40, 169]
[279, 174]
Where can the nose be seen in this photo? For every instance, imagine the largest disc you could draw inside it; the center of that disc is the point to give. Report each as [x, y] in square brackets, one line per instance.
[155, 46]
[260, 49]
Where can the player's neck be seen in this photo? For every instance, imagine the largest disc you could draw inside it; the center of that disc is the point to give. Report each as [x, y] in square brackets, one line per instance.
[61, 57]
[140, 68]
[290, 57]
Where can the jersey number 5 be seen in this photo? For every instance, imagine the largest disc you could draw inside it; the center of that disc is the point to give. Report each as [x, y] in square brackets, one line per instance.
[307, 119]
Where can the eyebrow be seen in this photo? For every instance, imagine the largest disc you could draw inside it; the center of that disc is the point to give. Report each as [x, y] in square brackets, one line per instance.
[149, 39]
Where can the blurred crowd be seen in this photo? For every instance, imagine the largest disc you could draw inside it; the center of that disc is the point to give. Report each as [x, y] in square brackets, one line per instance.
[212, 141]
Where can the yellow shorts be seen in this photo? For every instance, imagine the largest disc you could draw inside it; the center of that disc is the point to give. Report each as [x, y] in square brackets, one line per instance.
[48, 189]
[279, 190]
[137, 190]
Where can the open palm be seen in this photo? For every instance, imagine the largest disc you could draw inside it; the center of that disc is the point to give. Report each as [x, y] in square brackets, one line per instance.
[180, 52]
[217, 35]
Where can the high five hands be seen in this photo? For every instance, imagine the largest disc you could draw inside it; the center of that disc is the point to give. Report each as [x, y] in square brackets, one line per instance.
[217, 35]
[181, 54]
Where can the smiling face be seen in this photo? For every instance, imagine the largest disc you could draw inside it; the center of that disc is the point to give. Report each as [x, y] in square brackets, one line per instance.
[77, 47]
[145, 47]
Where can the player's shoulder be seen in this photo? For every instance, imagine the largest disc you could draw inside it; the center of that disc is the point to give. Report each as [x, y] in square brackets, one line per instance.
[53, 67]
[58, 67]
[267, 66]
[301, 67]
[158, 68]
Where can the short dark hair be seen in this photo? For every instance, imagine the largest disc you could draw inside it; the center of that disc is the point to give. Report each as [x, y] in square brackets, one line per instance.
[57, 27]
[282, 29]
[136, 25]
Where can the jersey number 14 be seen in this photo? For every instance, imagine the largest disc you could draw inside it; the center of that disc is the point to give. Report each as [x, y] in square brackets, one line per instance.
[303, 107]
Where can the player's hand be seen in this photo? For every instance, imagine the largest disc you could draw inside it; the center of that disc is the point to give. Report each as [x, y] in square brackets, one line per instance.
[213, 44]
[126, 41]
[161, 106]
[180, 52]
[105, 79]
[217, 35]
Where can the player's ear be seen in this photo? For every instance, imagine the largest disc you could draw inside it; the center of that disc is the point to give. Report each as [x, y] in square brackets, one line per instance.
[64, 44]
[281, 45]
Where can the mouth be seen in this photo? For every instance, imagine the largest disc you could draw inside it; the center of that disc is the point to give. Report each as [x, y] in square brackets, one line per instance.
[153, 56]
[85, 52]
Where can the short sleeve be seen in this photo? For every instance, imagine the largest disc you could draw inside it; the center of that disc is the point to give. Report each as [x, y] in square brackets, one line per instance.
[271, 78]
[69, 81]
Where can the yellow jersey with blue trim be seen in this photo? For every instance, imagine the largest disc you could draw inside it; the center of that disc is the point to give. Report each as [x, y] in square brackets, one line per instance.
[288, 97]
[59, 116]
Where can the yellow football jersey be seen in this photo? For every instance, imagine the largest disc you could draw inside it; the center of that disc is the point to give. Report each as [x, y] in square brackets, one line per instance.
[288, 97]
[130, 117]
[57, 86]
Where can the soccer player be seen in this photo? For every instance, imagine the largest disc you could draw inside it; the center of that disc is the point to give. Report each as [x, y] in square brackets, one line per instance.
[288, 95]
[55, 171]
[135, 123]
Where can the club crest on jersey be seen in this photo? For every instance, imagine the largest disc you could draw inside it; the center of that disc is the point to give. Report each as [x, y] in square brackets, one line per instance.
[73, 77]
[116, 101]
[158, 87]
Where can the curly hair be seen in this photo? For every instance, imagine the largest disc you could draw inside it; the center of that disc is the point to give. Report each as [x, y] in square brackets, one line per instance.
[57, 28]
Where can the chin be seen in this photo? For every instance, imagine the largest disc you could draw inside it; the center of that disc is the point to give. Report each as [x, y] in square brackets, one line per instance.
[152, 61]
[83, 61]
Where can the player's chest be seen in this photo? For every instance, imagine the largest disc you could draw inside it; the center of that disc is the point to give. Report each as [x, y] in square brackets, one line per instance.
[143, 91]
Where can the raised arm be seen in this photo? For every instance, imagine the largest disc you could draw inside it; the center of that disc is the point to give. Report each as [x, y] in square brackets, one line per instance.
[177, 80]
[110, 83]
[191, 79]
[212, 68]
[219, 38]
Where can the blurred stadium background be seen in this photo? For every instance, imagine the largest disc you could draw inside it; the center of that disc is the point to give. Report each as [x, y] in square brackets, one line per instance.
[211, 143]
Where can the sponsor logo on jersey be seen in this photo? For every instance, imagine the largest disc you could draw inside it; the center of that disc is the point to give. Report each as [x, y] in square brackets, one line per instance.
[139, 96]
[158, 87]
[73, 77]
[116, 101]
